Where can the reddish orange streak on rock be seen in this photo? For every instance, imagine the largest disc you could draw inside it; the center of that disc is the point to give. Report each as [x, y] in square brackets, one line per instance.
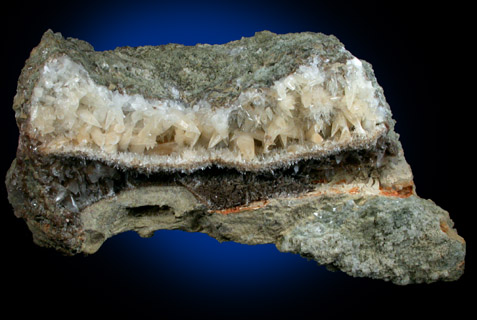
[403, 192]
[354, 190]
[394, 191]
[252, 206]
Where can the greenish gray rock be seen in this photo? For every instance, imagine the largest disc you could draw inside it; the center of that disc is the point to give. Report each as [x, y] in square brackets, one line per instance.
[300, 152]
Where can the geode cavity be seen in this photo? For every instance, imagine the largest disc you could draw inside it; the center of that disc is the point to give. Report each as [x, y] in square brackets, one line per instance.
[283, 139]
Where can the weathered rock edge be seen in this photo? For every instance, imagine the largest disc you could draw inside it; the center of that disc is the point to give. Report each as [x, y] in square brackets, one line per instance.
[373, 225]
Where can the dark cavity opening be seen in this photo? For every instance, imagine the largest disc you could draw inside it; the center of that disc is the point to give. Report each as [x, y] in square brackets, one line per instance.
[148, 211]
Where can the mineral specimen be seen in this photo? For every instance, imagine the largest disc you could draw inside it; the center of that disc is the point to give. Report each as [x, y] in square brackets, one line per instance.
[283, 139]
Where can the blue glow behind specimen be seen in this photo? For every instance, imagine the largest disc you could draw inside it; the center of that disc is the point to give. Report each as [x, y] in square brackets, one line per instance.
[194, 261]
[186, 22]
[201, 265]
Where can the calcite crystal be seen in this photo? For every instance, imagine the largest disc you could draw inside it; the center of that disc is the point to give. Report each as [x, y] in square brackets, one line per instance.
[283, 139]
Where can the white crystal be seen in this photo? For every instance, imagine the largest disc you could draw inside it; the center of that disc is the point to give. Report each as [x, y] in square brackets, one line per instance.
[311, 109]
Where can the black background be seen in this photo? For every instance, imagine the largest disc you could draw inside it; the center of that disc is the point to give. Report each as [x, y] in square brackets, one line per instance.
[420, 53]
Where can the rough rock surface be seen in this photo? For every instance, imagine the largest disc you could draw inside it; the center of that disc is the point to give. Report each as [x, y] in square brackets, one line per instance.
[301, 152]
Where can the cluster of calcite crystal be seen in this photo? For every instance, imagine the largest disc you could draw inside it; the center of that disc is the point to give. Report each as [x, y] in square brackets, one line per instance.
[283, 139]
[320, 106]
